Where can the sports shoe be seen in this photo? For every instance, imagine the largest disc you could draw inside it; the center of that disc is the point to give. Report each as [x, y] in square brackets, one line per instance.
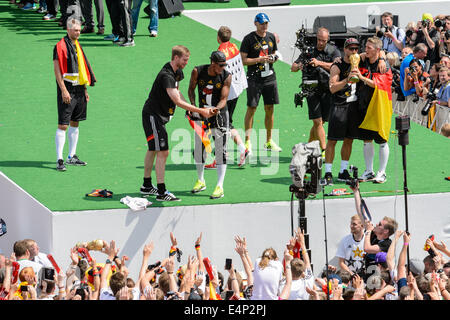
[218, 193]
[199, 186]
[272, 146]
[380, 177]
[29, 6]
[60, 165]
[153, 34]
[49, 16]
[149, 191]
[101, 31]
[248, 146]
[127, 44]
[344, 176]
[243, 157]
[75, 161]
[87, 30]
[328, 178]
[110, 37]
[211, 165]
[167, 196]
[367, 176]
[42, 10]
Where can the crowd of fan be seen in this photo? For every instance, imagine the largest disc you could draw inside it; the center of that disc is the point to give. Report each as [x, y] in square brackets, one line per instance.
[419, 56]
[27, 275]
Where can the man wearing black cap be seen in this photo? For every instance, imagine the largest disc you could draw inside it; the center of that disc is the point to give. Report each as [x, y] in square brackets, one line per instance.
[342, 121]
[258, 52]
[157, 111]
[213, 83]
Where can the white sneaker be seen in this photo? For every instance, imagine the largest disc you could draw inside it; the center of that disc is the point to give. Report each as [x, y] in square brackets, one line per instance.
[380, 177]
[367, 176]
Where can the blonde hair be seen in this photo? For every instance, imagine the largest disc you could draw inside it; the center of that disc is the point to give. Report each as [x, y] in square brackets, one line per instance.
[267, 255]
[445, 131]
[390, 225]
[180, 51]
[393, 56]
[377, 43]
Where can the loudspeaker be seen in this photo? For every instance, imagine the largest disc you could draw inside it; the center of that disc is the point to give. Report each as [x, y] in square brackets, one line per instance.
[263, 3]
[375, 21]
[334, 24]
[168, 8]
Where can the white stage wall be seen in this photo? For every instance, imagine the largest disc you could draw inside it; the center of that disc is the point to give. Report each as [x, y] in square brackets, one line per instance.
[286, 20]
[263, 224]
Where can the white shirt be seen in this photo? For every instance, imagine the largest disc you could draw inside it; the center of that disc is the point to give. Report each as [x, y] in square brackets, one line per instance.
[298, 287]
[28, 263]
[352, 251]
[266, 282]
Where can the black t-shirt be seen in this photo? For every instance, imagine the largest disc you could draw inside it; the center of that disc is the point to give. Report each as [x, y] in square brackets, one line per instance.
[348, 93]
[327, 55]
[365, 92]
[256, 46]
[384, 245]
[158, 102]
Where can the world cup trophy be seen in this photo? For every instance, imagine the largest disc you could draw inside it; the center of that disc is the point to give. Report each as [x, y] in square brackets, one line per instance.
[354, 64]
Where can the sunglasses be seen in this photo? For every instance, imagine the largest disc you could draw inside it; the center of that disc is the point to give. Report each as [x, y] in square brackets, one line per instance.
[353, 48]
[222, 64]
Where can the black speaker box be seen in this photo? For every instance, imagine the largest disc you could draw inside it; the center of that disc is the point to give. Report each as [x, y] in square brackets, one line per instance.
[264, 3]
[168, 8]
[375, 21]
[334, 24]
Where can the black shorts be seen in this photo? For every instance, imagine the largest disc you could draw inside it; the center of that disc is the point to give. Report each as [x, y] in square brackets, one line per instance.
[319, 105]
[231, 105]
[155, 132]
[76, 110]
[343, 122]
[364, 134]
[269, 91]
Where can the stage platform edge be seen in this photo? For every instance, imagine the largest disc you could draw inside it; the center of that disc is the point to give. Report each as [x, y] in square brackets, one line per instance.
[263, 224]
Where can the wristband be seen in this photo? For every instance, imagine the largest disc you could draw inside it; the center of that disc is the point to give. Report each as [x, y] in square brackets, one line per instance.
[406, 243]
[197, 247]
[416, 82]
[172, 251]
[108, 261]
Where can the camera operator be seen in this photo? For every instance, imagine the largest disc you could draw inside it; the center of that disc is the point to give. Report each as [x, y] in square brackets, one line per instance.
[419, 52]
[319, 103]
[410, 35]
[392, 36]
[417, 78]
[444, 44]
[429, 35]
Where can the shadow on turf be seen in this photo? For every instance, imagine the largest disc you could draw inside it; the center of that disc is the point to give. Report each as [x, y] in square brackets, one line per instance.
[28, 164]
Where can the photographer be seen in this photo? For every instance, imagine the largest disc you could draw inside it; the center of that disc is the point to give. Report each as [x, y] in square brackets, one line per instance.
[417, 78]
[429, 35]
[444, 44]
[419, 52]
[392, 36]
[319, 103]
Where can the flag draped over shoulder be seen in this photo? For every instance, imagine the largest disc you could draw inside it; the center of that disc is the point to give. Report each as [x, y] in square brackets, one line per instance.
[75, 68]
[379, 111]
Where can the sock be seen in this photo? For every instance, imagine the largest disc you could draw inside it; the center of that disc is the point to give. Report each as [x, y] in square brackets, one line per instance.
[328, 167]
[161, 188]
[384, 156]
[368, 156]
[241, 148]
[60, 139]
[344, 165]
[221, 169]
[72, 136]
[148, 182]
[200, 171]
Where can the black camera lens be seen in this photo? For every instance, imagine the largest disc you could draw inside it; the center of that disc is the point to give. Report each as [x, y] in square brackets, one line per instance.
[438, 23]
[409, 33]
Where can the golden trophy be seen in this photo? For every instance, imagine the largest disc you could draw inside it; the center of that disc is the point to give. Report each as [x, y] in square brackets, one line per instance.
[96, 245]
[354, 64]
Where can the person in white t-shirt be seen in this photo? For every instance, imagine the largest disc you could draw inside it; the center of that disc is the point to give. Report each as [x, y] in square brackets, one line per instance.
[351, 248]
[36, 255]
[267, 275]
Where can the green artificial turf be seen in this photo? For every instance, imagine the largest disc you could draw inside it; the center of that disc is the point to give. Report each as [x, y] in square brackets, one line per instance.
[112, 139]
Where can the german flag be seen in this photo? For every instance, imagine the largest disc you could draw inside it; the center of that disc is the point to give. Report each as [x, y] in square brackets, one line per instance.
[379, 112]
[200, 131]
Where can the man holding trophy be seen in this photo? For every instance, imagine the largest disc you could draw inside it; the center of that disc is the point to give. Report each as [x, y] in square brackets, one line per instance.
[343, 119]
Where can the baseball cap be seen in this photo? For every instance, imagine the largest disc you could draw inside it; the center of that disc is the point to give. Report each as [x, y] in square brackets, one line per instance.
[416, 266]
[218, 57]
[427, 16]
[380, 257]
[262, 17]
[351, 41]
